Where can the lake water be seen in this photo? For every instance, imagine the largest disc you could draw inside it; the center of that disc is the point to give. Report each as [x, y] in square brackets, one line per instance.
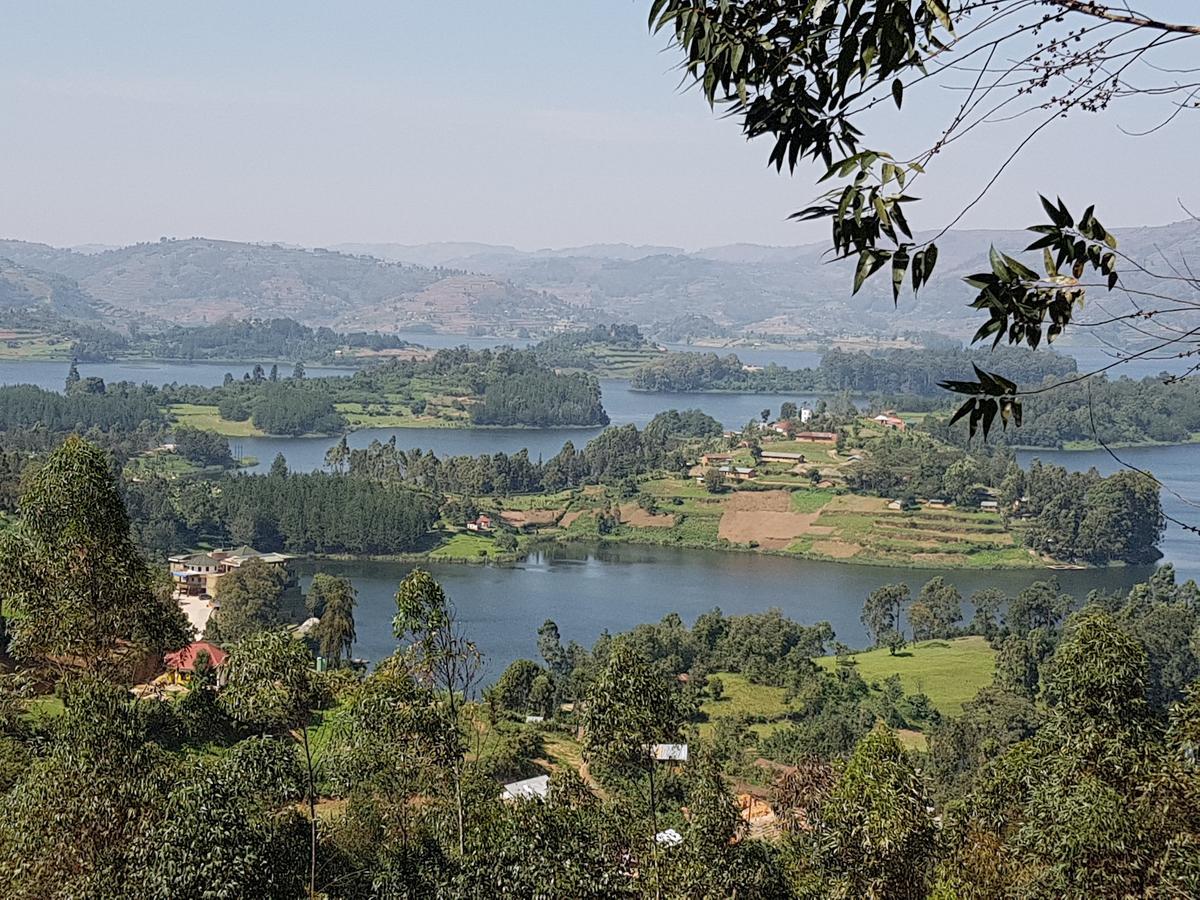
[52, 374]
[588, 590]
[624, 406]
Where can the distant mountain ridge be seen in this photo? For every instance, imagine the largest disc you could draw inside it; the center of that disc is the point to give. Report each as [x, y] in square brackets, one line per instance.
[791, 292]
[476, 288]
[202, 280]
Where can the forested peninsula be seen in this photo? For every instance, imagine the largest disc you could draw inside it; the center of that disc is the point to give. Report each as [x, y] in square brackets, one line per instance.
[452, 388]
[916, 372]
[867, 495]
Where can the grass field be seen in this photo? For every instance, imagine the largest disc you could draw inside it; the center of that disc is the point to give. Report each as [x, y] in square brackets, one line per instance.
[35, 346]
[810, 501]
[206, 417]
[466, 545]
[950, 672]
[163, 465]
[393, 415]
[741, 698]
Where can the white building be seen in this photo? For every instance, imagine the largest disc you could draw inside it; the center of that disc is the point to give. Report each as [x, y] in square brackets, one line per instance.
[528, 789]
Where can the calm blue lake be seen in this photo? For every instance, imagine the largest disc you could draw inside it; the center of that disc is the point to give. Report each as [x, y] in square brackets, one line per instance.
[589, 590]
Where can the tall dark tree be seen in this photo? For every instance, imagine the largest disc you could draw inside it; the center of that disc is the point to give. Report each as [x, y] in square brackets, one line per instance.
[442, 654]
[74, 588]
[881, 614]
[250, 599]
[335, 634]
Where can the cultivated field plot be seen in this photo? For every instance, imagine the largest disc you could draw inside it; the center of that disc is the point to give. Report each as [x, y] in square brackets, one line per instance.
[537, 518]
[864, 528]
[632, 514]
[767, 519]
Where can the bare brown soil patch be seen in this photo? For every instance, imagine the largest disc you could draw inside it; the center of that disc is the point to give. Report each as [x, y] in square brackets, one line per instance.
[519, 518]
[765, 517]
[570, 517]
[632, 514]
[836, 549]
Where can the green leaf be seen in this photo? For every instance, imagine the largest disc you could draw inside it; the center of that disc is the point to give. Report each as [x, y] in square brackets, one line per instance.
[962, 411]
[868, 264]
[898, 92]
[938, 8]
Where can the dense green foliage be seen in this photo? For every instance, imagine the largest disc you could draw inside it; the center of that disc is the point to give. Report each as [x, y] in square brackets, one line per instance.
[1083, 516]
[1072, 516]
[619, 452]
[316, 513]
[250, 601]
[1075, 782]
[121, 407]
[202, 447]
[262, 339]
[541, 400]
[893, 371]
[1097, 410]
[72, 583]
[575, 349]
[485, 387]
[295, 409]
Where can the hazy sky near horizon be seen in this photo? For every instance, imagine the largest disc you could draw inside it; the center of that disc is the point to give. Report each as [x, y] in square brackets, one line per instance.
[535, 123]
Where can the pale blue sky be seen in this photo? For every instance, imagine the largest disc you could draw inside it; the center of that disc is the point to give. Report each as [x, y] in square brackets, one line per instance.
[531, 122]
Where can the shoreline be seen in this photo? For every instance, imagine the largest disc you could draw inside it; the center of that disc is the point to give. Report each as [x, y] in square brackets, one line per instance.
[541, 542]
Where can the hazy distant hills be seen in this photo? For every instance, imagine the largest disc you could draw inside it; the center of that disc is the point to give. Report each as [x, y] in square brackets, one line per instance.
[483, 288]
[201, 280]
[28, 288]
[792, 291]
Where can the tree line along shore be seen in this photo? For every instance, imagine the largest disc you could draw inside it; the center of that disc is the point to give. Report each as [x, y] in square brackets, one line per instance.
[750, 755]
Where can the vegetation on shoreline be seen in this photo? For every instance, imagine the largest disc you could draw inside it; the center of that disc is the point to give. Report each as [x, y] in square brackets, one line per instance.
[915, 372]
[610, 351]
[741, 734]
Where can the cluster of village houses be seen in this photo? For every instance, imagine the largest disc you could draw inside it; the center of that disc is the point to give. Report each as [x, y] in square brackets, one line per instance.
[196, 579]
[786, 429]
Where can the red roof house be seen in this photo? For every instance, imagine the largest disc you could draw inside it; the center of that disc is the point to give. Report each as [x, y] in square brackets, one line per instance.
[185, 660]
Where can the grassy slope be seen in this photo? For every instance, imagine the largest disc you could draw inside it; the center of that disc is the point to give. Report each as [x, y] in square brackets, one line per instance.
[741, 698]
[466, 545]
[206, 417]
[873, 536]
[950, 672]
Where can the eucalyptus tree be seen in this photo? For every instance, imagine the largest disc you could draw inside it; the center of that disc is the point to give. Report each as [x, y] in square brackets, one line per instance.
[631, 707]
[391, 752]
[72, 823]
[442, 655]
[1102, 800]
[881, 614]
[251, 600]
[332, 599]
[874, 833]
[270, 686]
[75, 591]
[228, 827]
